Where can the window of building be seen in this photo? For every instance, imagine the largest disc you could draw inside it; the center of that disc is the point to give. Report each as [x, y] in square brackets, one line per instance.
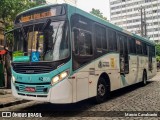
[154, 11]
[156, 41]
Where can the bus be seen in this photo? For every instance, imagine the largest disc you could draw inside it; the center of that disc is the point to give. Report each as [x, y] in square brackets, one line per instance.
[62, 54]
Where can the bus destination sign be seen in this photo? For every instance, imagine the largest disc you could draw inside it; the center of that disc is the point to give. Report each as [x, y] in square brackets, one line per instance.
[39, 15]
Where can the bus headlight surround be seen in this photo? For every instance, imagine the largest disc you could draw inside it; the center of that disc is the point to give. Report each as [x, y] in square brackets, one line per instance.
[59, 77]
[13, 79]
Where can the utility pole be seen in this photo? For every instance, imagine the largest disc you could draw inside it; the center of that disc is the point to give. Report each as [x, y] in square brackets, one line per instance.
[143, 22]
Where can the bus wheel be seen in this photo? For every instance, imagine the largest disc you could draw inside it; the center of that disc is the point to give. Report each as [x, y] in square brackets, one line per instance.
[144, 78]
[102, 90]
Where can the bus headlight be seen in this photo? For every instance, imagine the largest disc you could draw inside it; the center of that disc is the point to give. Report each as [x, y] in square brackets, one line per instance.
[59, 77]
[13, 79]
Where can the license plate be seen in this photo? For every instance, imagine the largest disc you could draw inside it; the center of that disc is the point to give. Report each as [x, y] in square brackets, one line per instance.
[30, 89]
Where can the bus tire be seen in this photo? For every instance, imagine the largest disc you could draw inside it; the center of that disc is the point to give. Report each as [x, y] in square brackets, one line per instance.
[144, 78]
[102, 90]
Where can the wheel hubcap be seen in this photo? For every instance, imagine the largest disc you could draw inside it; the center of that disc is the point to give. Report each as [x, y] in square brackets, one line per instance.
[101, 90]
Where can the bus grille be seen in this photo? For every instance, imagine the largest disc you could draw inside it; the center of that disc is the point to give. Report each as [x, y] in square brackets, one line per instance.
[39, 89]
[32, 69]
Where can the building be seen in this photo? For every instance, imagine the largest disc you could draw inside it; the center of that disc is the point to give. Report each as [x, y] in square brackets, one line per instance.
[127, 14]
[39, 1]
[1, 33]
[71, 2]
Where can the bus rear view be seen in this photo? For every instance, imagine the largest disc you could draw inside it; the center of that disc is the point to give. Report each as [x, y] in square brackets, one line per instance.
[41, 55]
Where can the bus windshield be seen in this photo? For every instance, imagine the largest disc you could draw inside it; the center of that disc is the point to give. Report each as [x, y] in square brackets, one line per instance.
[50, 40]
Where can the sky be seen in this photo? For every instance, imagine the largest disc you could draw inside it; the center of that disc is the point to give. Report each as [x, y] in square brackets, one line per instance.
[87, 5]
[102, 5]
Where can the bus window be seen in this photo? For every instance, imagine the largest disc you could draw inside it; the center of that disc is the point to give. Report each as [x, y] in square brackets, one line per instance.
[101, 40]
[132, 46]
[82, 43]
[85, 44]
[81, 22]
[144, 49]
[76, 38]
[138, 47]
[112, 40]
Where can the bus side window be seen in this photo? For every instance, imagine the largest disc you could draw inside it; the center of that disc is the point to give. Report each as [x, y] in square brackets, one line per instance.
[132, 45]
[85, 43]
[138, 47]
[144, 49]
[76, 40]
[112, 40]
[82, 43]
[101, 41]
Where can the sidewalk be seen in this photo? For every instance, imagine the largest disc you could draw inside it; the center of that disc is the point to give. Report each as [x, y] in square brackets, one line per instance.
[7, 99]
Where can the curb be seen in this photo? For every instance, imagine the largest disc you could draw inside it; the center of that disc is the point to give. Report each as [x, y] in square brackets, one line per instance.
[13, 103]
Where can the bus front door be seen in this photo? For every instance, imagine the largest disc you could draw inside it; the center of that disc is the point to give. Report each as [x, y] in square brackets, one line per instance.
[124, 59]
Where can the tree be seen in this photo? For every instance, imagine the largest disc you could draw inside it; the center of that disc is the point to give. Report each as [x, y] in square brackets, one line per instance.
[158, 52]
[10, 8]
[98, 13]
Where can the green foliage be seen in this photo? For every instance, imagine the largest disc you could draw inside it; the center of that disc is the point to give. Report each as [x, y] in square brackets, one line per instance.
[158, 58]
[98, 13]
[158, 52]
[158, 49]
[10, 8]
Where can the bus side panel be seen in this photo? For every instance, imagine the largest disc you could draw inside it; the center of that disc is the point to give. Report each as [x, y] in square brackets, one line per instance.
[61, 92]
[131, 77]
[140, 68]
[152, 73]
[82, 85]
[85, 83]
[109, 64]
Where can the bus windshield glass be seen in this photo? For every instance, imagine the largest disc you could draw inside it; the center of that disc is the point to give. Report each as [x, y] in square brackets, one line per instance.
[49, 40]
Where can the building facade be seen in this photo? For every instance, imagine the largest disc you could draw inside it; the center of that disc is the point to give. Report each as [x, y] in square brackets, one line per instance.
[71, 2]
[127, 14]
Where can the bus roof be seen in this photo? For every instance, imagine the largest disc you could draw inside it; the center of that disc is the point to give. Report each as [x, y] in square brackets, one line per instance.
[35, 8]
[94, 18]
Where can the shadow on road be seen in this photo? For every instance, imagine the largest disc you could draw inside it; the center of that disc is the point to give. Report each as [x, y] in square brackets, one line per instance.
[74, 109]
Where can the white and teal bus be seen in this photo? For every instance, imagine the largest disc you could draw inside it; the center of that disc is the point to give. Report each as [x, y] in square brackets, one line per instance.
[62, 54]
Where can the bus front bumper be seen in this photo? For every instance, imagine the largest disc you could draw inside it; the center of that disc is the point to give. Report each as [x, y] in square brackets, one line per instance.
[59, 93]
